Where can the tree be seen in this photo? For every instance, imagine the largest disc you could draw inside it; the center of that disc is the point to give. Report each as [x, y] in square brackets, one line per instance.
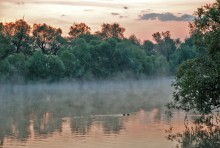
[47, 38]
[79, 29]
[4, 69]
[148, 47]
[18, 34]
[18, 65]
[38, 66]
[3, 50]
[111, 31]
[71, 64]
[83, 56]
[47, 67]
[206, 27]
[197, 81]
[165, 44]
[185, 52]
[134, 40]
[130, 58]
[56, 67]
[102, 55]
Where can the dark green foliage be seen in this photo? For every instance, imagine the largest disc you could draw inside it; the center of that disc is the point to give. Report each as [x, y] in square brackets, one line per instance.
[18, 65]
[206, 28]
[89, 37]
[148, 47]
[71, 64]
[83, 57]
[198, 85]
[38, 66]
[43, 66]
[130, 57]
[6, 47]
[183, 53]
[48, 56]
[56, 67]
[4, 69]
[161, 65]
[165, 44]
[102, 55]
[197, 81]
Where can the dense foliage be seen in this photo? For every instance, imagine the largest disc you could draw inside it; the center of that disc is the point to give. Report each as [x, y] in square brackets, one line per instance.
[198, 80]
[40, 52]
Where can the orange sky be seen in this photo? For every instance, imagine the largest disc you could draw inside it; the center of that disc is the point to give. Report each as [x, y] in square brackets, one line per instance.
[139, 17]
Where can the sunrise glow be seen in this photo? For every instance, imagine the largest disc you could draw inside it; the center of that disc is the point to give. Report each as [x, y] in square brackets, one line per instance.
[95, 12]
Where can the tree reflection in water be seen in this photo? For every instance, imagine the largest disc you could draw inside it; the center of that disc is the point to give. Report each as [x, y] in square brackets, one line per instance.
[203, 133]
[81, 125]
[37, 111]
[112, 125]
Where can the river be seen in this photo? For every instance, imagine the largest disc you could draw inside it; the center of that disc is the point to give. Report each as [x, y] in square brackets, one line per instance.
[94, 114]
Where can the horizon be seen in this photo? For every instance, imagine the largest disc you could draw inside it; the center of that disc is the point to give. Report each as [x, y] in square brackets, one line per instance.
[141, 18]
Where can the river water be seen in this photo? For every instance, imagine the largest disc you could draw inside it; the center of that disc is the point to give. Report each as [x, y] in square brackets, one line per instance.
[94, 114]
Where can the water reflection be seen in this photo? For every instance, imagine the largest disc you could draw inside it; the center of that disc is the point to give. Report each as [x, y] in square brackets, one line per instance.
[30, 113]
[200, 132]
[81, 126]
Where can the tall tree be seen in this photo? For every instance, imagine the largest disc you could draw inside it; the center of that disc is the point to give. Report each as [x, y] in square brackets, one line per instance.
[79, 29]
[4, 51]
[206, 27]
[197, 81]
[165, 44]
[111, 31]
[47, 38]
[18, 34]
[134, 40]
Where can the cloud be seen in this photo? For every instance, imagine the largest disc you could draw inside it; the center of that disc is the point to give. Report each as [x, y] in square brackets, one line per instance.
[114, 13]
[121, 17]
[90, 3]
[166, 17]
[19, 3]
[100, 3]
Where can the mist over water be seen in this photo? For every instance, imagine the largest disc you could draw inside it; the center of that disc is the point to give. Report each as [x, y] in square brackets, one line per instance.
[102, 97]
[34, 112]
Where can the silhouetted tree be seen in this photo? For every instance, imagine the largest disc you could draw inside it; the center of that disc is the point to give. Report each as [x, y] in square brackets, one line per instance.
[17, 34]
[47, 38]
[134, 39]
[165, 44]
[79, 29]
[111, 31]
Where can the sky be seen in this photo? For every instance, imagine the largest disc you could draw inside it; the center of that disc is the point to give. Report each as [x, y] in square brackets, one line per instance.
[139, 17]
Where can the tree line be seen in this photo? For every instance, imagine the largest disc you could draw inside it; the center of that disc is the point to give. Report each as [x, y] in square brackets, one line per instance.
[40, 52]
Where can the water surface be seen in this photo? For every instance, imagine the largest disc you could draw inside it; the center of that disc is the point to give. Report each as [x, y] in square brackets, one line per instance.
[125, 113]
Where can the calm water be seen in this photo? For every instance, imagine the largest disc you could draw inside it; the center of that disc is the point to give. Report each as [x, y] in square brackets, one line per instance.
[87, 115]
